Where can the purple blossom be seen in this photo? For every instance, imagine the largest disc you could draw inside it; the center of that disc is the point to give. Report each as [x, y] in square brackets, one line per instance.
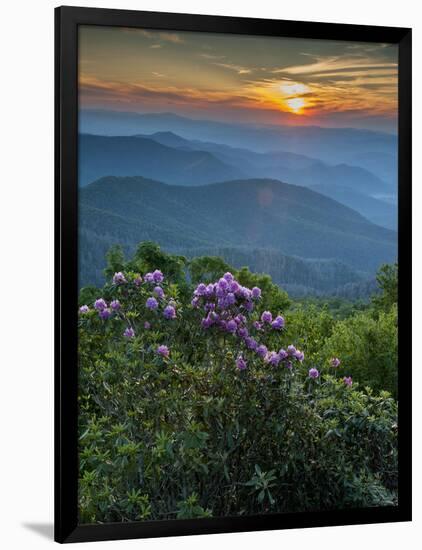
[169, 312]
[240, 319]
[119, 278]
[234, 287]
[220, 292]
[313, 373]
[228, 277]
[209, 306]
[129, 333]
[257, 325]
[283, 354]
[248, 306]
[195, 302]
[159, 292]
[84, 309]
[256, 293]
[262, 350]
[266, 317]
[300, 356]
[245, 293]
[100, 304]
[231, 298]
[251, 343]
[272, 358]
[200, 290]
[147, 325]
[163, 351]
[289, 365]
[206, 322]
[157, 276]
[223, 284]
[149, 278]
[242, 332]
[348, 380]
[104, 314]
[241, 364]
[231, 326]
[137, 280]
[151, 303]
[291, 350]
[115, 305]
[210, 290]
[335, 362]
[278, 323]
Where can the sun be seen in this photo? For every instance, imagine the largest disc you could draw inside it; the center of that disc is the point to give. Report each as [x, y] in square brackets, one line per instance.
[296, 104]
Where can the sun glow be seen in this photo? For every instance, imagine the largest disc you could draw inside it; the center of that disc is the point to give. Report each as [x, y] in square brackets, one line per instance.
[296, 104]
[294, 88]
[293, 92]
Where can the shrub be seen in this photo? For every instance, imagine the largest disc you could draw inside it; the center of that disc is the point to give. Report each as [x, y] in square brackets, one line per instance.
[202, 406]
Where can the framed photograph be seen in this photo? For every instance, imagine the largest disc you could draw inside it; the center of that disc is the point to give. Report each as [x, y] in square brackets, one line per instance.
[233, 274]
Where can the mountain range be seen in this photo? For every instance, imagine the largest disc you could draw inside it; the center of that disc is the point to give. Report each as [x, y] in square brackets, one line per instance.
[240, 217]
[331, 145]
[167, 157]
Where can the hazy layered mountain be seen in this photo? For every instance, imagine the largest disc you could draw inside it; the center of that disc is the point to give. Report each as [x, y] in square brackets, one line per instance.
[127, 156]
[378, 211]
[383, 165]
[172, 159]
[291, 167]
[246, 214]
[332, 145]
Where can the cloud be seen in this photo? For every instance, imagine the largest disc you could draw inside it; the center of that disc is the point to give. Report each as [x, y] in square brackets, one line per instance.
[95, 89]
[333, 63]
[237, 68]
[171, 37]
[211, 56]
[165, 36]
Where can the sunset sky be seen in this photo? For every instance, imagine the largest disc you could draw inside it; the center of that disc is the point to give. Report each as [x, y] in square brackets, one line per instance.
[240, 78]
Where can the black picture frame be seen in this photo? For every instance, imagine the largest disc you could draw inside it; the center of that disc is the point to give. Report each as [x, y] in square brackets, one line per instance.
[67, 20]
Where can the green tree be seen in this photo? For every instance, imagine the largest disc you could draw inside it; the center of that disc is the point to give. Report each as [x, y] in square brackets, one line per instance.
[387, 279]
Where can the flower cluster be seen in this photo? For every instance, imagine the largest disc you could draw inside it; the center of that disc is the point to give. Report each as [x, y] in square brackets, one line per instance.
[155, 302]
[228, 307]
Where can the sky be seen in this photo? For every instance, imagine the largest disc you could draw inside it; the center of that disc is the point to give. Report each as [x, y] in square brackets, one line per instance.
[249, 79]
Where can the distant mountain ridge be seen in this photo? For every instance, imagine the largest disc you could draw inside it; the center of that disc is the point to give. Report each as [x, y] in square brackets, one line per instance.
[293, 167]
[332, 145]
[127, 156]
[252, 214]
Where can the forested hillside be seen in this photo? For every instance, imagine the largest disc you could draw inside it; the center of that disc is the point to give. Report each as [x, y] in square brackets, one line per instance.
[279, 219]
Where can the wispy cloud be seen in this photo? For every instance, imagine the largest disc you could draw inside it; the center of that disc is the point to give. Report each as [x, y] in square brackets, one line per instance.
[333, 63]
[211, 56]
[232, 67]
[166, 36]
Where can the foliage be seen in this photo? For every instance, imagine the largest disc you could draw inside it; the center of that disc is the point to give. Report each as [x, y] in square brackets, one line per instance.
[387, 279]
[183, 413]
[368, 348]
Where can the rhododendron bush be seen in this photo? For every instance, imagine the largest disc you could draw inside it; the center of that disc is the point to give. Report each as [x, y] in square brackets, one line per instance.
[194, 403]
